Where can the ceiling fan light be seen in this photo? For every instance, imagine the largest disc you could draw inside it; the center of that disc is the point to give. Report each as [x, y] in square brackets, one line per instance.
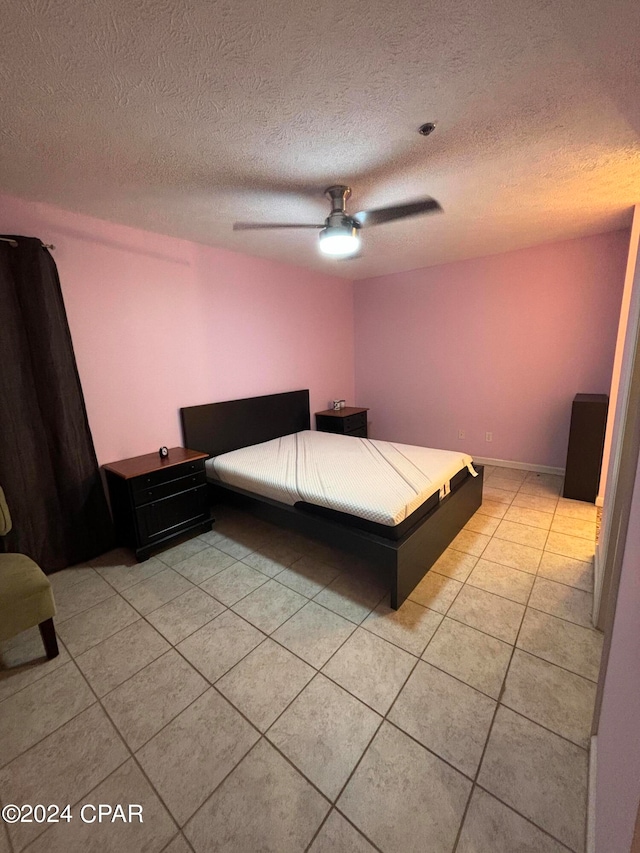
[339, 242]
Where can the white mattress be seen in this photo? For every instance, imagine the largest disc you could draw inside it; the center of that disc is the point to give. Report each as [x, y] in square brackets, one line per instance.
[380, 481]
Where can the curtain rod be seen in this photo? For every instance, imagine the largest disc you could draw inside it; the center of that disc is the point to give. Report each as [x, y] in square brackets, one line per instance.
[14, 243]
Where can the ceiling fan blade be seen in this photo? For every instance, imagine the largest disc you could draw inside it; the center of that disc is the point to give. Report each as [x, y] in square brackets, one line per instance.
[397, 211]
[254, 226]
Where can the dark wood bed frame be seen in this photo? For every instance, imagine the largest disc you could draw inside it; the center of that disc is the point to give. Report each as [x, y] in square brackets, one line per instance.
[217, 428]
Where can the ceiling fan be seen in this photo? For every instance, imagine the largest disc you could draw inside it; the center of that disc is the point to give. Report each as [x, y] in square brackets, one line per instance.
[340, 232]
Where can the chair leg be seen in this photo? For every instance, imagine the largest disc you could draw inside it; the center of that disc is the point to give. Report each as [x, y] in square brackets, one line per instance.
[48, 634]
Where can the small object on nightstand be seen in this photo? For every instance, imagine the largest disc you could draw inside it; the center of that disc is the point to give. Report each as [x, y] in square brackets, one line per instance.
[348, 420]
[153, 500]
[163, 453]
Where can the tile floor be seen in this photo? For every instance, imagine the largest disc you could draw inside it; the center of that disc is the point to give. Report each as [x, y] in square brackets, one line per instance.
[253, 691]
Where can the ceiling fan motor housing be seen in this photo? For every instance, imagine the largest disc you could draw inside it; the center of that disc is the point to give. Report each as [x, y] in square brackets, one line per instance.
[342, 221]
[338, 195]
[340, 236]
[338, 222]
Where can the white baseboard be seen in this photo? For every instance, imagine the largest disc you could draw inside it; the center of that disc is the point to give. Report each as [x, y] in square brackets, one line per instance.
[599, 501]
[591, 799]
[524, 466]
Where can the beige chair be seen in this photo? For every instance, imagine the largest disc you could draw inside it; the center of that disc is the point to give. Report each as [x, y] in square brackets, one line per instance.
[26, 598]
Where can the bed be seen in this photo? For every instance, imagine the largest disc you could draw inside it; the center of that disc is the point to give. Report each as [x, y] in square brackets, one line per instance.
[394, 505]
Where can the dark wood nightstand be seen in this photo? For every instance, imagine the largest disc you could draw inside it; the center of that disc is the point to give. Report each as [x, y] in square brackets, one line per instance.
[153, 499]
[347, 421]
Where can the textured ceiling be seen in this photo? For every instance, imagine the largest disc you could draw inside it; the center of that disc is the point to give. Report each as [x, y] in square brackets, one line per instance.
[181, 117]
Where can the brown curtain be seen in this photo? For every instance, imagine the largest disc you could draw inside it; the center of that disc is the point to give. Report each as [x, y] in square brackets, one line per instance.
[48, 465]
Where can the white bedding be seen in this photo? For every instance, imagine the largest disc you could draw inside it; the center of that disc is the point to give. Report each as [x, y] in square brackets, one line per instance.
[380, 481]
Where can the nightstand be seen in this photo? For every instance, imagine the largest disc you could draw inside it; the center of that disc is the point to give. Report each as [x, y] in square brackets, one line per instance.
[347, 421]
[153, 499]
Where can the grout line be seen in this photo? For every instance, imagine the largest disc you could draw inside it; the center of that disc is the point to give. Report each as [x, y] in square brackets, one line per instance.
[475, 628]
[119, 735]
[190, 663]
[490, 730]
[557, 665]
[525, 818]
[562, 583]
[240, 711]
[475, 585]
[297, 769]
[516, 601]
[225, 777]
[522, 571]
[318, 830]
[416, 662]
[108, 637]
[32, 665]
[127, 747]
[455, 677]
[264, 735]
[318, 671]
[181, 835]
[507, 643]
[397, 645]
[129, 750]
[565, 618]
[261, 737]
[383, 719]
[141, 768]
[163, 568]
[542, 726]
[500, 703]
[4, 831]
[344, 817]
[429, 749]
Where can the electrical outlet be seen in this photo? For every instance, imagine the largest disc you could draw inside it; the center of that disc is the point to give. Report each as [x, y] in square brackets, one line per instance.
[488, 436]
[461, 433]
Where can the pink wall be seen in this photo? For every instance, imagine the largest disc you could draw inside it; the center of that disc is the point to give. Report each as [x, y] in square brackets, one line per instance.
[159, 323]
[502, 343]
[498, 344]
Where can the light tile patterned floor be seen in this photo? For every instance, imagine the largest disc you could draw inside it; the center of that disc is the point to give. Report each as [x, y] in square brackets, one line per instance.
[252, 690]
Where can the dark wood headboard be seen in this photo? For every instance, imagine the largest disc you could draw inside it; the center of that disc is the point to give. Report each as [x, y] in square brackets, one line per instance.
[221, 427]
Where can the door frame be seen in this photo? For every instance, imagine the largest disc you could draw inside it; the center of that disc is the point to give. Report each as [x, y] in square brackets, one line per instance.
[623, 462]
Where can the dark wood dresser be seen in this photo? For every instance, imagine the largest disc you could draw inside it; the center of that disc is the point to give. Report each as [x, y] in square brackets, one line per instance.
[586, 446]
[347, 421]
[153, 499]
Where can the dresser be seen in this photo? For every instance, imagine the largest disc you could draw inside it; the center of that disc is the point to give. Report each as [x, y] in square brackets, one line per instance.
[154, 500]
[347, 421]
[586, 446]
